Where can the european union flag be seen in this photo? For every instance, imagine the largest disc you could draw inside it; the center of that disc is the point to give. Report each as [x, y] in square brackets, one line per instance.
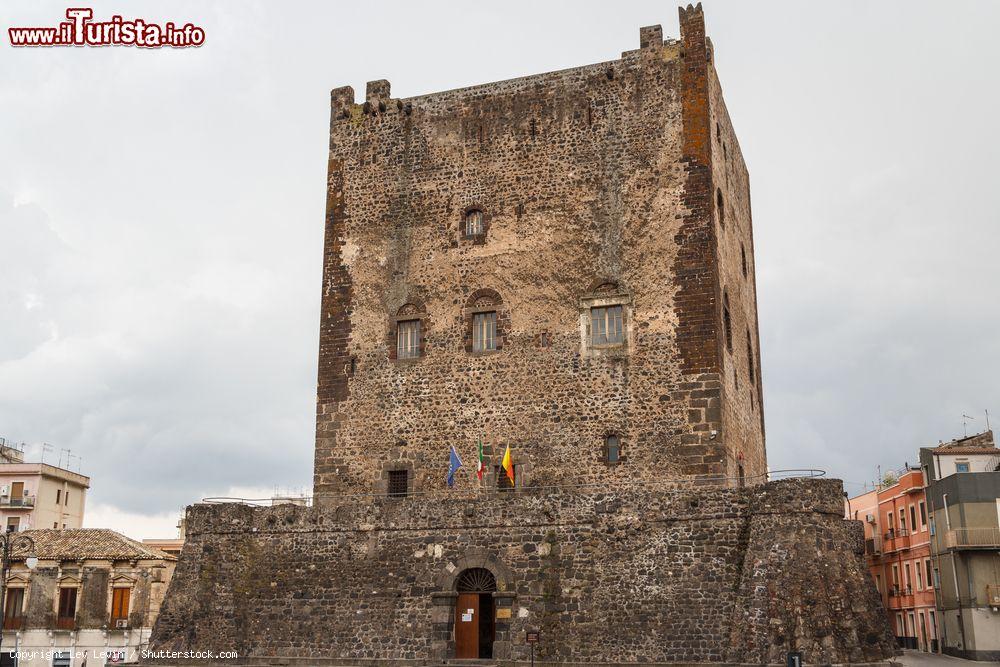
[456, 463]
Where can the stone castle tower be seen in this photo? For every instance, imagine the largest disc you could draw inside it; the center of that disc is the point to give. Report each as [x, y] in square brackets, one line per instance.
[562, 264]
[557, 210]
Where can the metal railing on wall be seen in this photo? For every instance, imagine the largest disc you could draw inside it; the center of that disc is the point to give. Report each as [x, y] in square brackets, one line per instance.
[481, 490]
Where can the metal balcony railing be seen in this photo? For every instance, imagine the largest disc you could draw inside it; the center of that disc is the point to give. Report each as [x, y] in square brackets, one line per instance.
[972, 538]
[13, 623]
[894, 533]
[66, 623]
[25, 501]
[900, 591]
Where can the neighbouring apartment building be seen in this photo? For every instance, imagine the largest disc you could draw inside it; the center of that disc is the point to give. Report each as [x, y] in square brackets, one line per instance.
[897, 549]
[963, 499]
[39, 495]
[92, 595]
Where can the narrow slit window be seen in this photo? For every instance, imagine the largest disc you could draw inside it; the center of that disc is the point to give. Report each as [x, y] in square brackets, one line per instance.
[751, 366]
[727, 322]
[720, 206]
[613, 449]
[474, 223]
[484, 332]
[408, 339]
[607, 326]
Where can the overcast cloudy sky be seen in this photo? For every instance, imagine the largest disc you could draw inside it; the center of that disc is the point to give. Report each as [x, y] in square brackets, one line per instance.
[161, 218]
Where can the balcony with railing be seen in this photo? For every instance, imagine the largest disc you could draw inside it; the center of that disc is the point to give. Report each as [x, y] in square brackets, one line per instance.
[66, 623]
[901, 597]
[23, 501]
[896, 539]
[13, 622]
[972, 538]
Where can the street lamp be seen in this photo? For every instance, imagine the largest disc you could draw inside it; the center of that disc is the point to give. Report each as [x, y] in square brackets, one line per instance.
[8, 542]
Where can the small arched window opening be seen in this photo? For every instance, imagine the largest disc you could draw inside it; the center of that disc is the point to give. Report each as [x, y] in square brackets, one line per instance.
[751, 367]
[612, 449]
[473, 224]
[476, 580]
[727, 322]
[743, 258]
[720, 206]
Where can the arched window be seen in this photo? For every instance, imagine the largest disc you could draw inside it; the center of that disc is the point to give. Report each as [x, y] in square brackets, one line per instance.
[720, 206]
[727, 322]
[476, 580]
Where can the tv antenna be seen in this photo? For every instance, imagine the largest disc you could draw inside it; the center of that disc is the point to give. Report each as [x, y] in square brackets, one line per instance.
[965, 420]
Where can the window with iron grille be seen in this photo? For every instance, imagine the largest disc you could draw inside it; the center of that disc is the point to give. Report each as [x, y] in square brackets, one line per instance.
[607, 326]
[474, 223]
[484, 332]
[399, 483]
[408, 339]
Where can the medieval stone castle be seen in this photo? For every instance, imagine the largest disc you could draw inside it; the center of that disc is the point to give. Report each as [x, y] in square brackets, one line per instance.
[562, 264]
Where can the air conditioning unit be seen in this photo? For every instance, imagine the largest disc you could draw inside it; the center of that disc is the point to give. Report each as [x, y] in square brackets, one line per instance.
[121, 623]
[870, 518]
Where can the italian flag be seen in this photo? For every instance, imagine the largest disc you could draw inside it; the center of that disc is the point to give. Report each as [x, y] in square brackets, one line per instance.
[481, 468]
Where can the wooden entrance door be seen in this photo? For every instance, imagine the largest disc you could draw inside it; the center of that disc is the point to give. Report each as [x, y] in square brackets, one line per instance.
[467, 626]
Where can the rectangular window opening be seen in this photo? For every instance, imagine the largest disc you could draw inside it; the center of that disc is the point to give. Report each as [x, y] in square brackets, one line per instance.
[504, 483]
[119, 604]
[484, 332]
[408, 339]
[67, 609]
[399, 483]
[607, 325]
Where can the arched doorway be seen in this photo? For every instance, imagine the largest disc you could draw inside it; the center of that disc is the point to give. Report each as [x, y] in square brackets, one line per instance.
[474, 624]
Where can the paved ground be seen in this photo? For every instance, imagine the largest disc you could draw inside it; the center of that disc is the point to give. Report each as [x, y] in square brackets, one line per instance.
[915, 658]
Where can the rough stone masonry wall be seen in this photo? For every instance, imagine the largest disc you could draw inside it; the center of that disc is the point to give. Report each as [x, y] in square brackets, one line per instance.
[679, 576]
[595, 175]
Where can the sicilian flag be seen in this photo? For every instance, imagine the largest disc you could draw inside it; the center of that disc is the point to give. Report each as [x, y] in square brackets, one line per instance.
[454, 464]
[481, 468]
[507, 463]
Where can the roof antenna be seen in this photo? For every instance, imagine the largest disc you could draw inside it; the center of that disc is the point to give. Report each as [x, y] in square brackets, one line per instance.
[965, 418]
